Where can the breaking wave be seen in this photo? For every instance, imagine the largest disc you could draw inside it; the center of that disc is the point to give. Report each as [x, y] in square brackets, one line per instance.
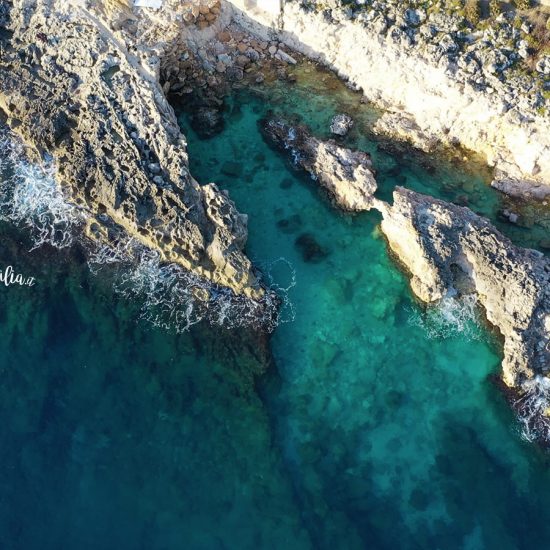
[533, 409]
[450, 317]
[170, 297]
[30, 197]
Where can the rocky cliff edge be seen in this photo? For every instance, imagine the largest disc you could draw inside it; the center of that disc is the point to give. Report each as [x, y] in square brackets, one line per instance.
[80, 81]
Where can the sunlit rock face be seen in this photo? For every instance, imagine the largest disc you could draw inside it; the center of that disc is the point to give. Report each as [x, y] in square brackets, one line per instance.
[449, 250]
[80, 82]
[345, 175]
[424, 79]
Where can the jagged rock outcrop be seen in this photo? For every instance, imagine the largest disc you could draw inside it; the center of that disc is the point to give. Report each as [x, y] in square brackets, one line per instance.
[449, 250]
[515, 187]
[404, 128]
[80, 81]
[344, 174]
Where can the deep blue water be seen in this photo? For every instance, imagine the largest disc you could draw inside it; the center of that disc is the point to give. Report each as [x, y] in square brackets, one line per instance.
[367, 422]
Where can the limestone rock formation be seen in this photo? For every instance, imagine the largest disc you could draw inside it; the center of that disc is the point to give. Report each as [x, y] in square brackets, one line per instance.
[515, 187]
[80, 81]
[344, 174]
[403, 127]
[449, 251]
[341, 124]
[457, 87]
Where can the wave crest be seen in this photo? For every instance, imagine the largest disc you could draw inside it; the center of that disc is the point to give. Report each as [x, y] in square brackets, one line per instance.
[533, 409]
[30, 197]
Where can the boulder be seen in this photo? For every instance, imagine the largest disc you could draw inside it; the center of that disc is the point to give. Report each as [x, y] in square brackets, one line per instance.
[543, 65]
[341, 124]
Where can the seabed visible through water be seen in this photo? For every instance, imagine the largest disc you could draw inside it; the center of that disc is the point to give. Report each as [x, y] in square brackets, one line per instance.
[377, 425]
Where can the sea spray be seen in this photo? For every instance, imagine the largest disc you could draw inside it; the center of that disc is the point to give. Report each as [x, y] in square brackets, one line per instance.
[115, 252]
[171, 296]
[30, 197]
[533, 408]
[450, 317]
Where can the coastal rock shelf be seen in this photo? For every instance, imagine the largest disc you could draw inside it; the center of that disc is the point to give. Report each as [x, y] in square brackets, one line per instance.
[450, 251]
[88, 95]
[425, 78]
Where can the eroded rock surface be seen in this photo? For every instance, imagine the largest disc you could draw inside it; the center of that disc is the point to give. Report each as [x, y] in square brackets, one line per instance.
[80, 81]
[341, 124]
[449, 251]
[403, 127]
[344, 174]
[516, 187]
[457, 86]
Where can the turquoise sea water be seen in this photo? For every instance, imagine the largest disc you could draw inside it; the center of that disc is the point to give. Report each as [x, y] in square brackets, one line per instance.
[371, 423]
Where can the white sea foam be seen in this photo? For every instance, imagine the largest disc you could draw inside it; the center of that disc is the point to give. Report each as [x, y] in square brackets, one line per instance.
[280, 277]
[170, 296]
[174, 298]
[532, 409]
[31, 197]
[450, 317]
[115, 252]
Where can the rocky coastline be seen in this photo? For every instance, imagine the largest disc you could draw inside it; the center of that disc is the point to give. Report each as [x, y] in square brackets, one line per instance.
[345, 175]
[98, 106]
[448, 252]
[449, 83]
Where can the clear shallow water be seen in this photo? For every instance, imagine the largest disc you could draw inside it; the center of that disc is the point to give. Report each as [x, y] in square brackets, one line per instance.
[390, 429]
[376, 427]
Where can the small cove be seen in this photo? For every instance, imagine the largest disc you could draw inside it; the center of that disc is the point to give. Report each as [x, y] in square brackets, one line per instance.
[383, 412]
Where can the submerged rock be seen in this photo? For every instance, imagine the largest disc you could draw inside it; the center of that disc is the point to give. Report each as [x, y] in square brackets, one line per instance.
[291, 224]
[232, 168]
[449, 251]
[207, 122]
[312, 251]
[344, 174]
